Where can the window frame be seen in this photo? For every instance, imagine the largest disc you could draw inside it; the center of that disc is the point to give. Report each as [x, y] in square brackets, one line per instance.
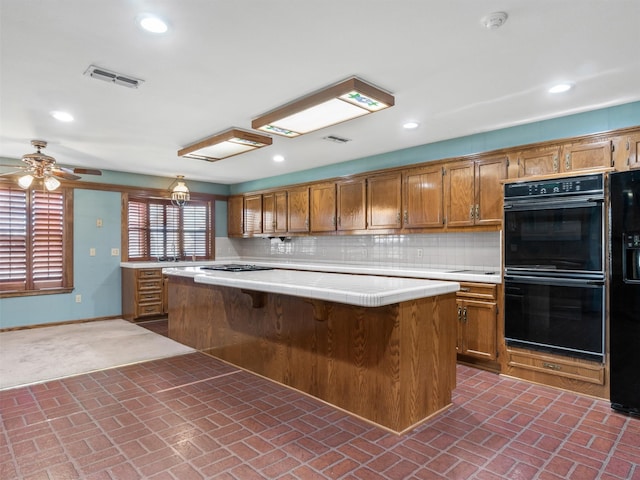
[150, 198]
[67, 245]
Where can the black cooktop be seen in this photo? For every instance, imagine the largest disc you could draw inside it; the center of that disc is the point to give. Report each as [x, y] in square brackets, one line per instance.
[236, 267]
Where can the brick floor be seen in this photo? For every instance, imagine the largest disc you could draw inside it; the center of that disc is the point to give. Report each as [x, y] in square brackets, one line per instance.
[194, 417]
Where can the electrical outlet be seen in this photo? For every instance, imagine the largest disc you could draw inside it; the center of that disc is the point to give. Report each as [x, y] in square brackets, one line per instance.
[78, 298]
[115, 252]
[419, 253]
[92, 252]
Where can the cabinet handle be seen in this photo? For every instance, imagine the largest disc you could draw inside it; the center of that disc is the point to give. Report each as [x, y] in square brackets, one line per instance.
[398, 218]
[567, 161]
[551, 366]
[471, 212]
[556, 163]
[339, 221]
[459, 313]
[464, 315]
[477, 211]
[465, 289]
[406, 217]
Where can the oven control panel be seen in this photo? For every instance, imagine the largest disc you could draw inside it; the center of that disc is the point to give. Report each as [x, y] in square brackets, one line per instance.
[562, 186]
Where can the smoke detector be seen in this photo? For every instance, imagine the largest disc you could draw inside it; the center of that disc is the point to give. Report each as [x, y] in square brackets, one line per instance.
[494, 20]
[112, 77]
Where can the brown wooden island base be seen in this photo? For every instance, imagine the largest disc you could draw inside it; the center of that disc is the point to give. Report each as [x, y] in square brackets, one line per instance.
[392, 365]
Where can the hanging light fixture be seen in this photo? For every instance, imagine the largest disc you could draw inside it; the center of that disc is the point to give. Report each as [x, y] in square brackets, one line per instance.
[180, 192]
[337, 103]
[26, 181]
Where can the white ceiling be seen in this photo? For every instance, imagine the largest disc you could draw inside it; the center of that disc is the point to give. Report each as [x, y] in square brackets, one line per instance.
[225, 62]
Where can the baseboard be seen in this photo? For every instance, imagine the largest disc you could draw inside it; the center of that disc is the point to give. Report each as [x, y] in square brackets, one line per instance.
[54, 324]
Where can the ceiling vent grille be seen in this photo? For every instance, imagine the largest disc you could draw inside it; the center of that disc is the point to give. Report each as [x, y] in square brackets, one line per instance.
[113, 77]
[336, 139]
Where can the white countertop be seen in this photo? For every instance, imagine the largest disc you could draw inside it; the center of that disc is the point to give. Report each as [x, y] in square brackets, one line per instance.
[360, 290]
[453, 274]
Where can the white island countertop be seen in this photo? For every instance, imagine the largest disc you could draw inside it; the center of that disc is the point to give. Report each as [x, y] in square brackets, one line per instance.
[360, 290]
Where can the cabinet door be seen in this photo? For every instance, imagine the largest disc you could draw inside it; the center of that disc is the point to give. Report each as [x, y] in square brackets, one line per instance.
[268, 212]
[351, 204]
[323, 207]
[479, 326]
[280, 212]
[584, 156]
[384, 201]
[423, 198]
[235, 216]
[489, 192]
[632, 145]
[298, 210]
[460, 193]
[538, 161]
[253, 214]
[274, 212]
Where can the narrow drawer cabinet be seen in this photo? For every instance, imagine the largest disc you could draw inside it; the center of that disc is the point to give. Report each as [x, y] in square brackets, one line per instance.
[142, 293]
[477, 321]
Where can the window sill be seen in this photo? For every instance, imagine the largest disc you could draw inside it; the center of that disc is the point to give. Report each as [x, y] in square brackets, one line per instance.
[31, 293]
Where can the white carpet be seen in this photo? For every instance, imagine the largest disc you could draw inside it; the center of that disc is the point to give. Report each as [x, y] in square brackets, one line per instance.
[38, 355]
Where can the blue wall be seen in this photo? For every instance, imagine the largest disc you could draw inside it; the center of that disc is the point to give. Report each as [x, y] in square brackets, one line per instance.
[603, 120]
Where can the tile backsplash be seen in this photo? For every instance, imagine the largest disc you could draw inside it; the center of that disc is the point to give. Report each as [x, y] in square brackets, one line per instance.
[477, 250]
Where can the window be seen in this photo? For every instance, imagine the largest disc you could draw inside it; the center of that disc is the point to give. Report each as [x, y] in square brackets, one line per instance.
[36, 235]
[159, 230]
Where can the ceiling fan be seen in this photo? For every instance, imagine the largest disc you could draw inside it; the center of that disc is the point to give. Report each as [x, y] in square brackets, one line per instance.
[41, 166]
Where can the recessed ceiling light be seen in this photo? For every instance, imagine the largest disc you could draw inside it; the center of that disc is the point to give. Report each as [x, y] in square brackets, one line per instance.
[278, 158]
[494, 20]
[411, 125]
[62, 116]
[561, 87]
[153, 24]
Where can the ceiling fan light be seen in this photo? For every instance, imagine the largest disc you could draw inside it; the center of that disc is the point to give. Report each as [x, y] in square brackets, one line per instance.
[51, 183]
[25, 181]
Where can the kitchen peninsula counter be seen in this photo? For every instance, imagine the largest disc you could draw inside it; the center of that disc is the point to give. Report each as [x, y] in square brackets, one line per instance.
[381, 348]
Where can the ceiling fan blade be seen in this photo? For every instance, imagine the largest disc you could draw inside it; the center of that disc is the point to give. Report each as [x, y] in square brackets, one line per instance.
[6, 174]
[67, 176]
[87, 171]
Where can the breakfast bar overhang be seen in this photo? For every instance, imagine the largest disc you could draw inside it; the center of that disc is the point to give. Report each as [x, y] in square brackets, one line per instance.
[381, 348]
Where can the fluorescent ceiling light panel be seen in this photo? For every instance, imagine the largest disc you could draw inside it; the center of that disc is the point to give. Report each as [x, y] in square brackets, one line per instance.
[338, 103]
[224, 145]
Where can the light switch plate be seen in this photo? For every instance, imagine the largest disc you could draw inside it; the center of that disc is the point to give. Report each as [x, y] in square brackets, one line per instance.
[115, 252]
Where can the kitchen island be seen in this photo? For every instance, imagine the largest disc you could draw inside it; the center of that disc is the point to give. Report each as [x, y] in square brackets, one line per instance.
[380, 348]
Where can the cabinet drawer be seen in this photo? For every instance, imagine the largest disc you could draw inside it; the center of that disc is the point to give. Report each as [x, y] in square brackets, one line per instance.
[150, 284]
[146, 310]
[574, 369]
[145, 273]
[149, 297]
[485, 291]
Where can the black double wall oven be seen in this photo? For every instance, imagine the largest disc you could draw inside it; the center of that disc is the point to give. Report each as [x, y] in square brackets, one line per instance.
[554, 257]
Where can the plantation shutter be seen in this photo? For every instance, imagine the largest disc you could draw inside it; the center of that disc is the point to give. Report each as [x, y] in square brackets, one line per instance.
[32, 239]
[159, 229]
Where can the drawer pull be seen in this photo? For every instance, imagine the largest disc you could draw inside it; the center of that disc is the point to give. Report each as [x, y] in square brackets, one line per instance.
[465, 289]
[551, 366]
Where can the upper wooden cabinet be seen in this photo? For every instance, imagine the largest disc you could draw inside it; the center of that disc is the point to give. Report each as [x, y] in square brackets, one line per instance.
[253, 214]
[535, 161]
[473, 193]
[351, 205]
[274, 213]
[323, 207]
[631, 145]
[384, 201]
[298, 210]
[585, 156]
[422, 198]
[235, 216]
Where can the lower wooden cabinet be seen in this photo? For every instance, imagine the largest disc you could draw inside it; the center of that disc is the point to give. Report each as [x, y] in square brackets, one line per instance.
[477, 321]
[143, 293]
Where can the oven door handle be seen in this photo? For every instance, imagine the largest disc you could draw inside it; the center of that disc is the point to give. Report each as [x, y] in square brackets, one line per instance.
[550, 204]
[553, 281]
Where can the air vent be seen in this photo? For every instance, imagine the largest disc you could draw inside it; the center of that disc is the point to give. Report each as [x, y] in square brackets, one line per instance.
[336, 139]
[112, 77]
